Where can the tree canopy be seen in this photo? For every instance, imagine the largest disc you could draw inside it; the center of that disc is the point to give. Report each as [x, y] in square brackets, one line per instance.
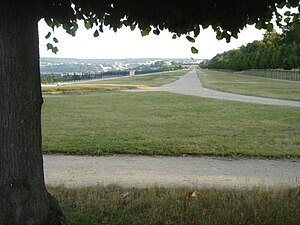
[273, 52]
[181, 17]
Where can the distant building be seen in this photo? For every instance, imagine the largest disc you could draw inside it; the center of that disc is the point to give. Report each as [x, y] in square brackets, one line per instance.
[131, 72]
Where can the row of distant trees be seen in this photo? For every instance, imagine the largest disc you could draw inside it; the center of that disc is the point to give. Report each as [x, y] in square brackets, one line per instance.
[58, 78]
[274, 51]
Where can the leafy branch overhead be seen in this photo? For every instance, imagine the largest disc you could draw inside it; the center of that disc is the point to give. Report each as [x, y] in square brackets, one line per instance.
[181, 17]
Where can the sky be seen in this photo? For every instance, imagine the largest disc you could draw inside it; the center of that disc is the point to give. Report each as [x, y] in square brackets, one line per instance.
[130, 44]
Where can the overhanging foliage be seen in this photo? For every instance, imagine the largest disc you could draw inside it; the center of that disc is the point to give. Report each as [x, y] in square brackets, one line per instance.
[181, 17]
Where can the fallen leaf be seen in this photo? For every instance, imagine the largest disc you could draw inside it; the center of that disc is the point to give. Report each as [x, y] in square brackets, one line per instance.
[125, 194]
[192, 194]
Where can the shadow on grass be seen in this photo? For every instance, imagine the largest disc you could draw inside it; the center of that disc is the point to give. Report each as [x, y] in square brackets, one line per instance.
[118, 205]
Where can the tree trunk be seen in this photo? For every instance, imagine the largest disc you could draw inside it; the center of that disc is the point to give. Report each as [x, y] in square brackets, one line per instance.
[24, 199]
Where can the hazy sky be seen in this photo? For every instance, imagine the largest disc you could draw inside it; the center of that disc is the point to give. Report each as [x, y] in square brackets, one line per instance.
[130, 44]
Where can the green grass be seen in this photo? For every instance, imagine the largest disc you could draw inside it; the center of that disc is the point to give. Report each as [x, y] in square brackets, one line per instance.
[250, 85]
[105, 205]
[168, 124]
[152, 80]
[124, 83]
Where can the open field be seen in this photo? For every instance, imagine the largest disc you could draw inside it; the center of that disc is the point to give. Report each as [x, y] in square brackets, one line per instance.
[106, 205]
[168, 124]
[151, 80]
[171, 124]
[124, 83]
[250, 85]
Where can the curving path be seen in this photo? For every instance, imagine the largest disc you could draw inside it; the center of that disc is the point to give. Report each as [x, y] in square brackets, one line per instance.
[190, 84]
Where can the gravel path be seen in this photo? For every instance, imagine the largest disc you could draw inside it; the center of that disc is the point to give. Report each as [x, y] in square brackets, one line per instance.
[76, 171]
[190, 84]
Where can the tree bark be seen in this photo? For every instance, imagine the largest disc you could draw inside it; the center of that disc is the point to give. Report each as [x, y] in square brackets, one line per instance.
[24, 199]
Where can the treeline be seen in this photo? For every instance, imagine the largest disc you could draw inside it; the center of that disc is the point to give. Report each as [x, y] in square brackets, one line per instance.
[60, 78]
[273, 52]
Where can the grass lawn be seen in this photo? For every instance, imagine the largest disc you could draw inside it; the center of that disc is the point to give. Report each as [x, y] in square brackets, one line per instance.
[167, 124]
[151, 80]
[250, 85]
[124, 83]
[105, 205]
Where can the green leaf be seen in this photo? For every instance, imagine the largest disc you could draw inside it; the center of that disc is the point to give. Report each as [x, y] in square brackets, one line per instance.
[258, 25]
[52, 48]
[227, 37]
[269, 27]
[101, 28]
[88, 25]
[294, 3]
[190, 39]
[219, 35]
[55, 40]
[287, 20]
[132, 27]
[75, 26]
[174, 36]
[156, 31]
[235, 35]
[48, 35]
[49, 46]
[296, 17]
[146, 31]
[50, 23]
[55, 50]
[281, 5]
[126, 23]
[194, 50]
[205, 25]
[96, 33]
[197, 31]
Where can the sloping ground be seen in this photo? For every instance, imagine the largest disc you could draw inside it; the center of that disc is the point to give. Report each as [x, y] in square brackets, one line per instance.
[76, 171]
[190, 84]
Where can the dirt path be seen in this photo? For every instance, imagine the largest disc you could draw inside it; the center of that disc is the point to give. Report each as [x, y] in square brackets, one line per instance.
[76, 171]
[190, 84]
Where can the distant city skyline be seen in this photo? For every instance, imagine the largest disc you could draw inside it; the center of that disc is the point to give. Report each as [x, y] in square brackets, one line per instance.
[130, 44]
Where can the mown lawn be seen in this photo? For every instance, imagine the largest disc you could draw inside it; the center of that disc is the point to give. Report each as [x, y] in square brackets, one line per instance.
[151, 80]
[133, 206]
[168, 124]
[124, 83]
[250, 85]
